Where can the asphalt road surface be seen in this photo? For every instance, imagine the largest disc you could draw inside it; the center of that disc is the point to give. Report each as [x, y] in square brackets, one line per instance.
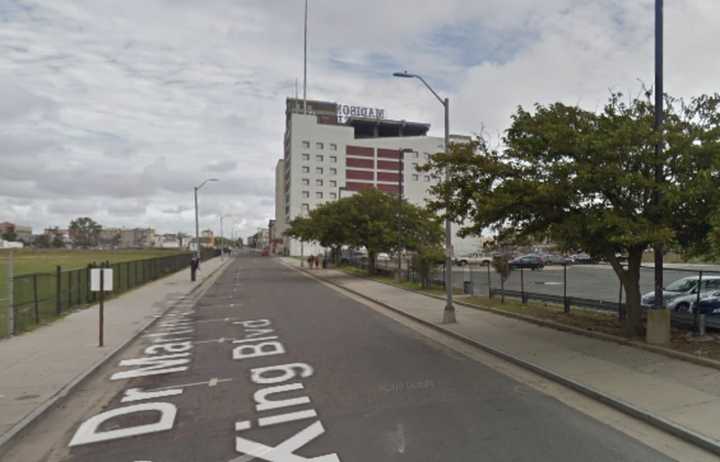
[271, 365]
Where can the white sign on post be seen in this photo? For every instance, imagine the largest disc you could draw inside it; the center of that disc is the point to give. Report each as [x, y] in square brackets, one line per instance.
[95, 279]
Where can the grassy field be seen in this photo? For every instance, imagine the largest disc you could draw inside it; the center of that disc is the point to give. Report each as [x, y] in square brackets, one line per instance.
[28, 261]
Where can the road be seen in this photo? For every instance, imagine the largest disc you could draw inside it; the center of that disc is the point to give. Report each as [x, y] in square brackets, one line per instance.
[272, 365]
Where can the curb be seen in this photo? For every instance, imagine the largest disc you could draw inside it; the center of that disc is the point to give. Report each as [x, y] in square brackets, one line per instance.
[68, 388]
[706, 362]
[620, 405]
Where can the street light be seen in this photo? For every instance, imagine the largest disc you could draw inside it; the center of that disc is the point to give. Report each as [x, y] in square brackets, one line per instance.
[449, 312]
[197, 223]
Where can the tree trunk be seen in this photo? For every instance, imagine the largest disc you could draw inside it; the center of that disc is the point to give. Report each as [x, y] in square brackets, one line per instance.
[630, 278]
[371, 262]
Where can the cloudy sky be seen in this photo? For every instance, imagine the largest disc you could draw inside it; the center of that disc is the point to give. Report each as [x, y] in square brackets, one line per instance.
[115, 109]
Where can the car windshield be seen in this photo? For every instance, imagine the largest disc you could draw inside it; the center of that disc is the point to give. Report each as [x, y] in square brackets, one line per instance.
[682, 285]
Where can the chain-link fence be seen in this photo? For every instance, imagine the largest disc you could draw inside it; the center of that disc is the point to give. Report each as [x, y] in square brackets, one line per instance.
[28, 300]
[594, 287]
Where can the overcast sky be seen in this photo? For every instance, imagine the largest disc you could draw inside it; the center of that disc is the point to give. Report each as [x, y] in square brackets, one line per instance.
[115, 109]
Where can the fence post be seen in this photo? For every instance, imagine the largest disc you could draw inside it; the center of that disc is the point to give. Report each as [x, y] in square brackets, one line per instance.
[69, 289]
[566, 302]
[621, 310]
[696, 319]
[489, 282]
[522, 286]
[11, 294]
[79, 283]
[87, 286]
[58, 289]
[502, 289]
[36, 307]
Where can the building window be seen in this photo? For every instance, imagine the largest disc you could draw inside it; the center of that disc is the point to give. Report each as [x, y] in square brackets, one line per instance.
[306, 157]
[306, 144]
[416, 177]
[427, 178]
[414, 166]
[306, 169]
[305, 182]
[306, 207]
[319, 158]
[319, 146]
[305, 194]
[333, 195]
[318, 195]
[318, 182]
[333, 171]
[427, 156]
[333, 159]
[333, 147]
[319, 170]
[333, 183]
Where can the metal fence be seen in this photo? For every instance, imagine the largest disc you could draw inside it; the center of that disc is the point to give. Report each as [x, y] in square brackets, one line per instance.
[32, 299]
[595, 287]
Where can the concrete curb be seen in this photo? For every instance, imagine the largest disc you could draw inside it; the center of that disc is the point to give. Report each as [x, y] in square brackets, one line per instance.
[622, 406]
[68, 388]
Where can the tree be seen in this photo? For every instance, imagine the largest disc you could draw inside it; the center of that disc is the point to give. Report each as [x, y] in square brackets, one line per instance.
[84, 232]
[368, 219]
[587, 180]
[42, 241]
[57, 242]
[10, 236]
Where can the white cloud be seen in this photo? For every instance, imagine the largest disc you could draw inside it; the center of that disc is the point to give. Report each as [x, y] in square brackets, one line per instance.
[119, 108]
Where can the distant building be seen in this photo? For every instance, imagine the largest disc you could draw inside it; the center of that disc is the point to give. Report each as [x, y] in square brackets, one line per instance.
[10, 245]
[63, 234]
[169, 241]
[333, 151]
[122, 238]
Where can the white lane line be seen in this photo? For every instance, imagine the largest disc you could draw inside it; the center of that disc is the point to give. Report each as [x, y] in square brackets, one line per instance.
[210, 383]
[214, 340]
[202, 321]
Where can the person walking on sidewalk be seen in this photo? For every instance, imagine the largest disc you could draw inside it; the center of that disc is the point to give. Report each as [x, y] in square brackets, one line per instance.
[194, 265]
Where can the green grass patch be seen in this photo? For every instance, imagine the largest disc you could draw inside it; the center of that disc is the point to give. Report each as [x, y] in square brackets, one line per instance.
[44, 262]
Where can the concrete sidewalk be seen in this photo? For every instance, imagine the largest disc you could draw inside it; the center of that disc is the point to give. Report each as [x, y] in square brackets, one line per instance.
[38, 366]
[679, 392]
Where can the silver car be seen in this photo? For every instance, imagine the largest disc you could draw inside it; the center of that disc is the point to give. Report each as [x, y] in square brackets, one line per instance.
[682, 294]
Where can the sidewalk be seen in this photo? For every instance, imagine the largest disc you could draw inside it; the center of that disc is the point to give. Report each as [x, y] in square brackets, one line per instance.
[682, 393]
[42, 364]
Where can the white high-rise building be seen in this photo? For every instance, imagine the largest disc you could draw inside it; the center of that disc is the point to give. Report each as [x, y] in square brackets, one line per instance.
[333, 150]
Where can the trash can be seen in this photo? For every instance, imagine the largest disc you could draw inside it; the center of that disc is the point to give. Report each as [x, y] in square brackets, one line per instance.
[467, 287]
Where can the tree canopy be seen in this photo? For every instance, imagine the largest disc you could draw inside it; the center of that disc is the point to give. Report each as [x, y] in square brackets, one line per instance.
[371, 219]
[587, 180]
[84, 232]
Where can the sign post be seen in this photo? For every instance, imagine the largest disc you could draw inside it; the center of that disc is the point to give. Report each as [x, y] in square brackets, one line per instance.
[101, 280]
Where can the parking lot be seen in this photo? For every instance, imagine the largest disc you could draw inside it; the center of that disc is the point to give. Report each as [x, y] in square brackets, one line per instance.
[586, 281]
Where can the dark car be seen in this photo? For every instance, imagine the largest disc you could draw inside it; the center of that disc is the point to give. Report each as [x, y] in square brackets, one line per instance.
[527, 261]
[709, 306]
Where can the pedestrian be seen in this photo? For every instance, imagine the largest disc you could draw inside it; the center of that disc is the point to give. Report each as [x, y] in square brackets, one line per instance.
[310, 261]
[317, 261]
[194, 266]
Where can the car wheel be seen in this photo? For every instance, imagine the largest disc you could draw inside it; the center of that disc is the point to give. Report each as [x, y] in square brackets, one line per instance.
[682, 308]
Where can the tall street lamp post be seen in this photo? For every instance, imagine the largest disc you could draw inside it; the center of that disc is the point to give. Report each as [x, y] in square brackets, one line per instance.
[197, 223]
[658, 249]
[449, 312]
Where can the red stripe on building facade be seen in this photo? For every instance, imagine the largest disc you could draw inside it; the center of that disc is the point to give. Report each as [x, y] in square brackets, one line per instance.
[362, 163]
[389, 153]
[359, 151]
[359, 175]
[353, 186]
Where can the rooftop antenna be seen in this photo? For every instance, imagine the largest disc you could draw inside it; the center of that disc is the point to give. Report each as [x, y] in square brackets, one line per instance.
[305, 61]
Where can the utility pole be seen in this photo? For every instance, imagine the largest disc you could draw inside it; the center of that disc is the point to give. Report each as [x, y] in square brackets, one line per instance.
[659, 95]
[305, 41]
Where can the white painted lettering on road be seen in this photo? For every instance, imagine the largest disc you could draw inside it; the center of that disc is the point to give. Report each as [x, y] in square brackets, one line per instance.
[285, 451]
[88, 432]
[153, 365]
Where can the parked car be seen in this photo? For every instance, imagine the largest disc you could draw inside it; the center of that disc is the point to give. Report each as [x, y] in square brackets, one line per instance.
[581, 259]
[473, 259]
[382, 256]
[551, 259]
[681, 294]
[709, 305]
[352, 256]
[527, 261]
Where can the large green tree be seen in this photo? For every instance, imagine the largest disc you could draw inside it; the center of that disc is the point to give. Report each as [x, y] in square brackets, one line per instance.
[587, 180]
[371, 219]
[84, 232]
